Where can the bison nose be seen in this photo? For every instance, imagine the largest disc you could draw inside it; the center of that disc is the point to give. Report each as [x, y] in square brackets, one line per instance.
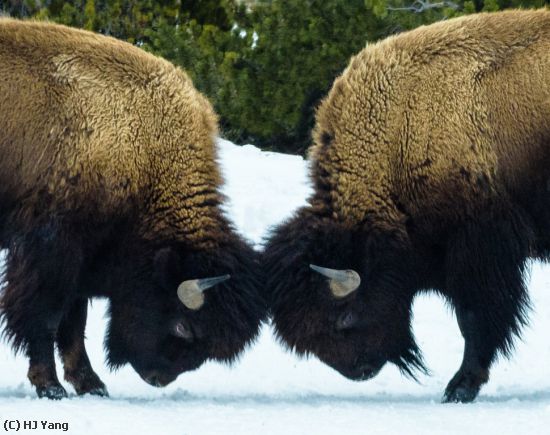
[362, 371]
[153, 380]
[156, 379]
[367, 371]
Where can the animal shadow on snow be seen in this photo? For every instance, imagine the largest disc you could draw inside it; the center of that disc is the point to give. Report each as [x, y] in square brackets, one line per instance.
[314, 400]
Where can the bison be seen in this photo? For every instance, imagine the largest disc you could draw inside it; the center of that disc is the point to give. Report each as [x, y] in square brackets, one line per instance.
[109, 187]
[431, 169]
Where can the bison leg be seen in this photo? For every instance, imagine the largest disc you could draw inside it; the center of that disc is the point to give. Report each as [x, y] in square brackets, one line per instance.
[41, 275]
[40, 350]
[42, 372]
[70, 342]
[485, 269]
[474, 371]
[43, 318]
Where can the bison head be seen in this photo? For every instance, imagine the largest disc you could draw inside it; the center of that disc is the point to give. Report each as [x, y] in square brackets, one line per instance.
[180, 307]
[343, 294]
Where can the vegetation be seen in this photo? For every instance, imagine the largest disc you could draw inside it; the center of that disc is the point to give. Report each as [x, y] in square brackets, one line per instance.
[264, 64]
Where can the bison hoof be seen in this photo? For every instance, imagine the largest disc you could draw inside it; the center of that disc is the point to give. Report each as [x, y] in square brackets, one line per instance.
[53, 392]
[98, 391]
[87, 382]
[460, 395]
[463, 388]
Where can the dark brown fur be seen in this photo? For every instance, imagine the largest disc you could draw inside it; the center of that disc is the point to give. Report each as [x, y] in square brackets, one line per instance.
[109, 187]
[431, 168]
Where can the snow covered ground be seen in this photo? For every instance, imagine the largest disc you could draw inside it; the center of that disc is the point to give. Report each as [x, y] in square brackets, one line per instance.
[270, 391]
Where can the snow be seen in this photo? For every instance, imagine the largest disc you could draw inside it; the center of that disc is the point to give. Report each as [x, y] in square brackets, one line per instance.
[270, 390]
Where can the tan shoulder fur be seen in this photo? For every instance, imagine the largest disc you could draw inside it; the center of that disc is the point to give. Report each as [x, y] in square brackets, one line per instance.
[91, 122]
[437, 119]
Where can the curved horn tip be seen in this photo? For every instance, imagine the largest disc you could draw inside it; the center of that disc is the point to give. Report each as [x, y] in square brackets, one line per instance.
[322, 270]
[206, 283]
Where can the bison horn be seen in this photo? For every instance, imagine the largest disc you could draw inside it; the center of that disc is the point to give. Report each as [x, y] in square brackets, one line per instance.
[191, 292]
[341, 282]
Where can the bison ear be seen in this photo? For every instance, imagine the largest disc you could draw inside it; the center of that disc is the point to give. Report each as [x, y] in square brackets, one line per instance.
[167, 263]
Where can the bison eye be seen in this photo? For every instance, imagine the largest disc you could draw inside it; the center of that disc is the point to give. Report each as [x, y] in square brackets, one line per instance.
[346, 320]
[182, 329]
